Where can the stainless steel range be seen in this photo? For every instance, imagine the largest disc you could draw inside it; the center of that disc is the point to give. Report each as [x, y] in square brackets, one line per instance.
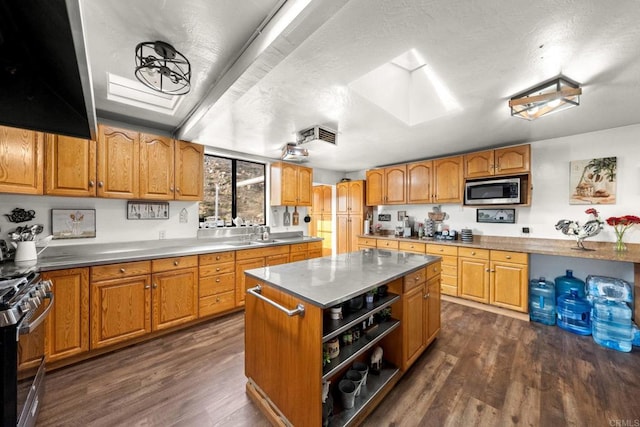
[25, 301]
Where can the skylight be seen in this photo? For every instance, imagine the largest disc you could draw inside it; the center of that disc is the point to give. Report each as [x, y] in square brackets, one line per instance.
[132, 92]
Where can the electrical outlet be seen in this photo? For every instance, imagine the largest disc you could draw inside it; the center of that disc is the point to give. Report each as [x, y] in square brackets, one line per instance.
[162, 234]
[526, 230]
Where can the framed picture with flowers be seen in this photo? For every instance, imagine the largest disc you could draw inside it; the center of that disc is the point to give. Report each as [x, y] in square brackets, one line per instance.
[593, 181]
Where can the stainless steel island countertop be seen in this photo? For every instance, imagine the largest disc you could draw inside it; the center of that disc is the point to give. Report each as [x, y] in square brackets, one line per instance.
[331, 280]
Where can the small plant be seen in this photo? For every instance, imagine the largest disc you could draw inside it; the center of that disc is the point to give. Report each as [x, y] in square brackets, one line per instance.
[325, 358]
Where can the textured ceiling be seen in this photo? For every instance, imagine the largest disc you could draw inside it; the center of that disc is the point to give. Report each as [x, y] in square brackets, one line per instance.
[483, 52]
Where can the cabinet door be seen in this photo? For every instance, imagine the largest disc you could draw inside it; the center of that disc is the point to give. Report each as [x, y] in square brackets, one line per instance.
[189, 171]
[355, 227]
[479, 164]
[448, 181]
[343, 233]
[67, 326]
[317, 204]
[21, 161]
[70, 168]
[473, 279]
[289, 186]
[375, 187]
[419, 182]
[243, 282]
[433, 308]
[327, 204]
[156, 167]
[356, 198]
[305, 183]
[298, 256]
[413, 324]
[342, 198]
[395, 177]
[120, 310]
[118, 162]
[175, 298]
[509, 285]
[512, 160]
[272, 260]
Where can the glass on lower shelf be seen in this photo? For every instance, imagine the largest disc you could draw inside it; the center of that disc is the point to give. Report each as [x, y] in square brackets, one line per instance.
[375, 383]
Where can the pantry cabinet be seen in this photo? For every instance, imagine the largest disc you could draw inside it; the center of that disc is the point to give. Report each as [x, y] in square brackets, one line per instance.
[350, 198]
[321, 224]
[21, 161]
[70, 166]
[386, 186]
[174, 291]
[348, 228]
[67, 325]
[502, 161]
[291, 185]
[118, 163]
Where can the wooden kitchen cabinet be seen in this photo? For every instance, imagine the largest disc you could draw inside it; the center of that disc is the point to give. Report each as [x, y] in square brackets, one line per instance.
[449, 265]
[386, 186]
[501, 161]
[473, 274]
[387, 244]
[256, 258]
[291, 185]
[118, 163]
[321, 200]
[348, 228]
[67, 325]
[321, 224]
[350, 198]
[367, 242]
[508, 286]
[21, 161]
[189, 171]
[174, 291]
[120, 297]
[217, 283]
[448, 184]
[70, 166]
[415, 247]
[420, 182]
[156, 167]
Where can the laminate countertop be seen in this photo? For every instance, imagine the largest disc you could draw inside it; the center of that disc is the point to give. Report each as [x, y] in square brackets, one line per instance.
[331, 280]
[555, 247]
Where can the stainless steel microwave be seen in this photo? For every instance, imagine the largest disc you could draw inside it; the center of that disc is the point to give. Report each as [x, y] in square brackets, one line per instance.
[505, 191]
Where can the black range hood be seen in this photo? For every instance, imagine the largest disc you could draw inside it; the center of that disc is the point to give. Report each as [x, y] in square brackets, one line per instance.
[45, 83]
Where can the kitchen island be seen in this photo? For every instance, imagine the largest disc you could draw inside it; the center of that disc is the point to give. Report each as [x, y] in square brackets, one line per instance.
[287, 323]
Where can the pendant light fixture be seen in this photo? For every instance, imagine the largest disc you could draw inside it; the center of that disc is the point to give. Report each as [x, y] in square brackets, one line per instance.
[551, 96]
[162, 68]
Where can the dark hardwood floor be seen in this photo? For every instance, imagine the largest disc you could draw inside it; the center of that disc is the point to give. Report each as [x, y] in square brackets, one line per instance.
[484, 369]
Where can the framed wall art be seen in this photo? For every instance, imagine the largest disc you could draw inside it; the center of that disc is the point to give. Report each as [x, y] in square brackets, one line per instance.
[73, 223]
[593, 181]
[147, 210]
[499, 216]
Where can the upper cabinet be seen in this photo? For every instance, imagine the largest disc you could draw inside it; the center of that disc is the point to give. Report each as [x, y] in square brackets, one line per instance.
[447, 180]
[156, 167]
[420, 182]
[21, 161]
[502, 161]
[321, 203]
[118, 163]
[189, 171]
[387, 186]
[291, 185]
[70, 166]
[350, 198]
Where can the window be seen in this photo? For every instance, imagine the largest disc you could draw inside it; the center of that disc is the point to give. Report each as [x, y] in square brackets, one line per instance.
[233, 188]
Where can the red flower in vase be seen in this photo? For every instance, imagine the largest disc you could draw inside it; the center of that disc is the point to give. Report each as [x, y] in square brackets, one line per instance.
[620, 225]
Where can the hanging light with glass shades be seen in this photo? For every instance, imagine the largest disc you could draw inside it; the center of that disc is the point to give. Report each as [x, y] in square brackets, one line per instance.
[551, 96]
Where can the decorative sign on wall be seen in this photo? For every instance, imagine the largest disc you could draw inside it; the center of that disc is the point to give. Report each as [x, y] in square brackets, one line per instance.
[73, 223]
[147, 210]
[593, 181]
[500, 216]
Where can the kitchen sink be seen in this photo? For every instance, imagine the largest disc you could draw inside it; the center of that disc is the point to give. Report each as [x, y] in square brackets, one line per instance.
[239, 243]
[266, 242]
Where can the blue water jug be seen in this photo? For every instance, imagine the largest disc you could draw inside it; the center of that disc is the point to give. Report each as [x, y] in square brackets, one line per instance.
[566, 282]
[542, 301]
[611, 324]
[574, 313]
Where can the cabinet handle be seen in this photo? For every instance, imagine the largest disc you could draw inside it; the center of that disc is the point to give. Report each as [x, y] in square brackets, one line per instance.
[473, 253]
[146, 286]
[486, 270]
[435, 270]
[217, 268]
[218, 280]
[91, 183]
[426, 296]
[217, 299]
[155, 286]
[178, 189]
[492, 271]
[218, 258]
[417, 278]
[176, 263]
[508, 257]
[100, 184]
[122, 270]
[171, 189]
[299, 310]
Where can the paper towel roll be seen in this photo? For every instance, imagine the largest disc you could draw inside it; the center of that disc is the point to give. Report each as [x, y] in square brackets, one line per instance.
[367, 226]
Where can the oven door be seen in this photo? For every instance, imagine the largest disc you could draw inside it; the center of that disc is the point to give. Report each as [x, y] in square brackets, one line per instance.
[30, 369]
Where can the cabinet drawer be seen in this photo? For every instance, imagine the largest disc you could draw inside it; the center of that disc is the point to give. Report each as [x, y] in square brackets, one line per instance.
[412, 247]
[217, 258]
[211, 270]
[261, 252]
[433, 270]
[217, 284]
[216, 304]
[175, 263]
[516, 257]
[115, 271]
[314, 246]
[448, 260]
[298, 247]
[442, 250]
[316, 253]
[414, 279]
[449, 289]
[449, 270]
[473, 253]
[446, 279]
[367, 241]
[387, 244]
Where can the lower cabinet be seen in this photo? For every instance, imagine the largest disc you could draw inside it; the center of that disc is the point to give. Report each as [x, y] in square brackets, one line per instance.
[449, 273]
[473, 274]
[174, 291]
[367, 242]
[217, 283]
[303, 251]
[256, 258]
[67, 325]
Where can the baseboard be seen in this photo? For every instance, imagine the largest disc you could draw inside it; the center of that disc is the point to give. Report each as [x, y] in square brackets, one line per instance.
[486, 307]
